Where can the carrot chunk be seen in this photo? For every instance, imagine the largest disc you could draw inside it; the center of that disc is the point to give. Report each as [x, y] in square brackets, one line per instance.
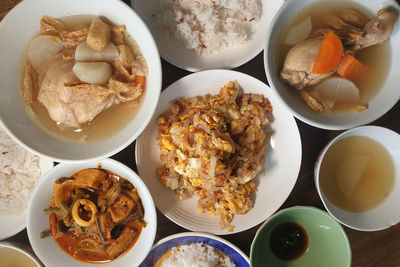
[139, 81]
[329, 55]
[351, 68]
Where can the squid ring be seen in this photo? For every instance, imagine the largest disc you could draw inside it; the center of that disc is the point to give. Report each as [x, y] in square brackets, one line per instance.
[75, 213]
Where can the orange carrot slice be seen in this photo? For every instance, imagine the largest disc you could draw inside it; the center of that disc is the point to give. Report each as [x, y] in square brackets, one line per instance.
[351, 68]
[139, 81]
[329, 55]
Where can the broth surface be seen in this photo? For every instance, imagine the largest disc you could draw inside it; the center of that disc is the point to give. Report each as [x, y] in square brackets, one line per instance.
[357, 174]
[105, 125]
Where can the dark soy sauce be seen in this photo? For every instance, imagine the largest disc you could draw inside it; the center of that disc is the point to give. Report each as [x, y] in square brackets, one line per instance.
[288, 241]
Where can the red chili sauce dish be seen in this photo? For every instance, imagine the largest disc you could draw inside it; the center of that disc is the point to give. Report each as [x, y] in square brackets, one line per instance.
[95, 215]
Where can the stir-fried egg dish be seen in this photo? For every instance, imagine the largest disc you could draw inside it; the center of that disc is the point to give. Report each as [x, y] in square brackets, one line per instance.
[213, 147]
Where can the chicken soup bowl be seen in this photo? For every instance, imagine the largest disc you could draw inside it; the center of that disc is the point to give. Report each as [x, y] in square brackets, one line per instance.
[386, 94]
[50, 252]
[16, 33]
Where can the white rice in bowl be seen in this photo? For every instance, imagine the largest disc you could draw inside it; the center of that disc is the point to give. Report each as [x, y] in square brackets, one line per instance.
[196, 255]
[207, 26]
[20, 171]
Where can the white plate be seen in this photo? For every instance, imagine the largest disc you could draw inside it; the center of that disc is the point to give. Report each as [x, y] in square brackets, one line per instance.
[283, 156]
[13, 224]
[176, 53]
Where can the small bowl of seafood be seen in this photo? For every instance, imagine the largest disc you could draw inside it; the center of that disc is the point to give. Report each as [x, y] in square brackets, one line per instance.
[98, 212]
[196, 248]
[331, 63]
[300, 236]
[81, 81]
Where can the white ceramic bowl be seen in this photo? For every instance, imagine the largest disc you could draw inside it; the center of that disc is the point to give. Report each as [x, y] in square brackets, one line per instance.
[386, 98]
[48, 250]
[387, 213]
[21, 24]
[21, 249]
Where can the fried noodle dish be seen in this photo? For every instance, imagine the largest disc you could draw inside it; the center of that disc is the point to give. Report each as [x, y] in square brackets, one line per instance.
[213, 147]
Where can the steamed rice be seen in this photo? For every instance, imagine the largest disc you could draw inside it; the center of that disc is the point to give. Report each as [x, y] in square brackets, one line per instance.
[19, 173]
[196, 255]
[207, 26]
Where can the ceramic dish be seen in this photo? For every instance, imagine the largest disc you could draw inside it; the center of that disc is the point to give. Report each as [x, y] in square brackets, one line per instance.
[13, 224]
[48, 250]
[386, 213]
[12, 112]
[176, 53]
[274, 186]
[328, 245]
[22, 256]
[165, 245]
[386, 98]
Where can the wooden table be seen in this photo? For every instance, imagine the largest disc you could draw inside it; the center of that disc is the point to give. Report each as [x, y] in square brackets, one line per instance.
[381, 248]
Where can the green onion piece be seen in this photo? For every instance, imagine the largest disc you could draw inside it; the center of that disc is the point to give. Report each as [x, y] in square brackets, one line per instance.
[51, 210]
[45, 233]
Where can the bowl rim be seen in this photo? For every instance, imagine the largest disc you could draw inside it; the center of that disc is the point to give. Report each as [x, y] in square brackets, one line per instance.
[19, 247]
[132, 138]
[321, 125]
[318, 163]
[300, 207]
[132, 175]
[201, 234]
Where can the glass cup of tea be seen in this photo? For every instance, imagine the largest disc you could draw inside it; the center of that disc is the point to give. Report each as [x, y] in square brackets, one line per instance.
[357, 176]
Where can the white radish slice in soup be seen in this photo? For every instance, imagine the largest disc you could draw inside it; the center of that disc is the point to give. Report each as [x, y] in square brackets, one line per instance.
[85, 53]
[339, 90]
[299, 32]
[42, 47]
[93, 72]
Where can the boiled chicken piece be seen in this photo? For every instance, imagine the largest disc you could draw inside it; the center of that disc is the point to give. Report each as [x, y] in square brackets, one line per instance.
[99, 34]
[377, 30]
[352, 17]
[66, 104]
[299, 61]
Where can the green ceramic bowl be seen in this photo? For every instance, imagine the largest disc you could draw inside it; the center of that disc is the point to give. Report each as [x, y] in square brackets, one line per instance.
[328, 245]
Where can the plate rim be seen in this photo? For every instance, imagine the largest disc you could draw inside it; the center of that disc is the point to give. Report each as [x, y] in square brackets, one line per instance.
[232, 73]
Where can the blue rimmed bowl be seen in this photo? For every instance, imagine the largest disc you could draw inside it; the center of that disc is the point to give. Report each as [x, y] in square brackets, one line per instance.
[165, 245]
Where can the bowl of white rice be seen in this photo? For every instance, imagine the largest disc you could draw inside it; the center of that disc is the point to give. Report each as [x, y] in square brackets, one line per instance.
[203, 34]
[195, 249]
[20, 171]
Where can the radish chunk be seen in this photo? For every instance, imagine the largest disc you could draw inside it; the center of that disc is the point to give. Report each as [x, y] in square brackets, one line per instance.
[299, 32]
[85, 53]
[338, 90]
[93, 72]
[350, 172]
[42, 47]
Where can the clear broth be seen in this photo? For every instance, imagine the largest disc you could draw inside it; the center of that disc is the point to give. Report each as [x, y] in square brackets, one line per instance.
[357, 174]
[377, 57]
[105, 125]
